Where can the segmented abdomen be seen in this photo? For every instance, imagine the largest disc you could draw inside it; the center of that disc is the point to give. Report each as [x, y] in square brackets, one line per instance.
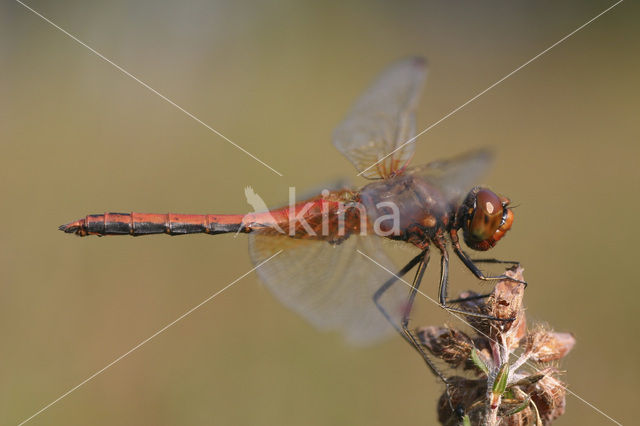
[332, 218]
[149, 223]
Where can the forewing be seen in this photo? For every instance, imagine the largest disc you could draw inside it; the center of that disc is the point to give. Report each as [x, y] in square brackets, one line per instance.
[383, 119]
[332, 286]
[457, 175]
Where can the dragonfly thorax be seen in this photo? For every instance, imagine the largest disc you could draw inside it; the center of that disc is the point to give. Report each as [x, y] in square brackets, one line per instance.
[402, 206]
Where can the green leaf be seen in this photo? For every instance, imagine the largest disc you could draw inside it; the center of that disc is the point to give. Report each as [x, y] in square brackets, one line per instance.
[500, 384]
[478, 362]
[529, 380]
[518, 408]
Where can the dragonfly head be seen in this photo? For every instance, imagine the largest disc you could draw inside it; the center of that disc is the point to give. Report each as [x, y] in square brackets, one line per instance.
[485, 218]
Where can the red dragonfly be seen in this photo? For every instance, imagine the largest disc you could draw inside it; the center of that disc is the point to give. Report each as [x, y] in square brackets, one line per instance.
[325, 270]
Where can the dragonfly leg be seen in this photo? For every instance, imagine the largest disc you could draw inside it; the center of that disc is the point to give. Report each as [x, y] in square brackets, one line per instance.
[444, 279]
[421, 260]
[493, 260]
[466, 299]
[469, 263]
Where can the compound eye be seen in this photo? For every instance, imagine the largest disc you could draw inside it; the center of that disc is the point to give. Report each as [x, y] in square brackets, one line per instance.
[487, 215]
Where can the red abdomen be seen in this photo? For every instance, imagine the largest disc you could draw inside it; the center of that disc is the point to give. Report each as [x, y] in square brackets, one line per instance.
[317, 218]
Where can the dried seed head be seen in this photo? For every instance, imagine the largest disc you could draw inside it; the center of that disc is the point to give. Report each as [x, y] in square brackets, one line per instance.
[508, 390]
[506, 300]
[448, 344]
[506, 303]
[462, 392]
[547, 346]
[549, 396]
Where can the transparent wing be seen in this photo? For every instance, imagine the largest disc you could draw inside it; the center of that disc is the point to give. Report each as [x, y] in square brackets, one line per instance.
[383, 119]
[457, 175]
[331, 286]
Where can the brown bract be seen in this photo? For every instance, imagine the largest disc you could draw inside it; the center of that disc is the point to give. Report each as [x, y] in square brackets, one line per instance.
[452, 346]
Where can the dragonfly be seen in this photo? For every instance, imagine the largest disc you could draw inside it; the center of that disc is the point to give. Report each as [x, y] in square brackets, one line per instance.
[329, 242]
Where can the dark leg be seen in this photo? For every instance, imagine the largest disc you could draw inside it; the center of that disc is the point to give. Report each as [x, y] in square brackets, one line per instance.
[422, 266]
[477, 272]
[466, 299]
[402, 329]
[444, 278]
[493, 260]
[482, 296]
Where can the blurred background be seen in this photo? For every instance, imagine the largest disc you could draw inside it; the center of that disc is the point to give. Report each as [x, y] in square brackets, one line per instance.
[79, 137]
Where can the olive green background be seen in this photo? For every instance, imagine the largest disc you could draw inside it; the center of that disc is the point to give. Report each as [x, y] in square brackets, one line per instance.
[77, 136]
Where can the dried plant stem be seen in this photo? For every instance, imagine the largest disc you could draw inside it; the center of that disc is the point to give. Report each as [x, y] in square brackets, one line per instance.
[502, 371]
